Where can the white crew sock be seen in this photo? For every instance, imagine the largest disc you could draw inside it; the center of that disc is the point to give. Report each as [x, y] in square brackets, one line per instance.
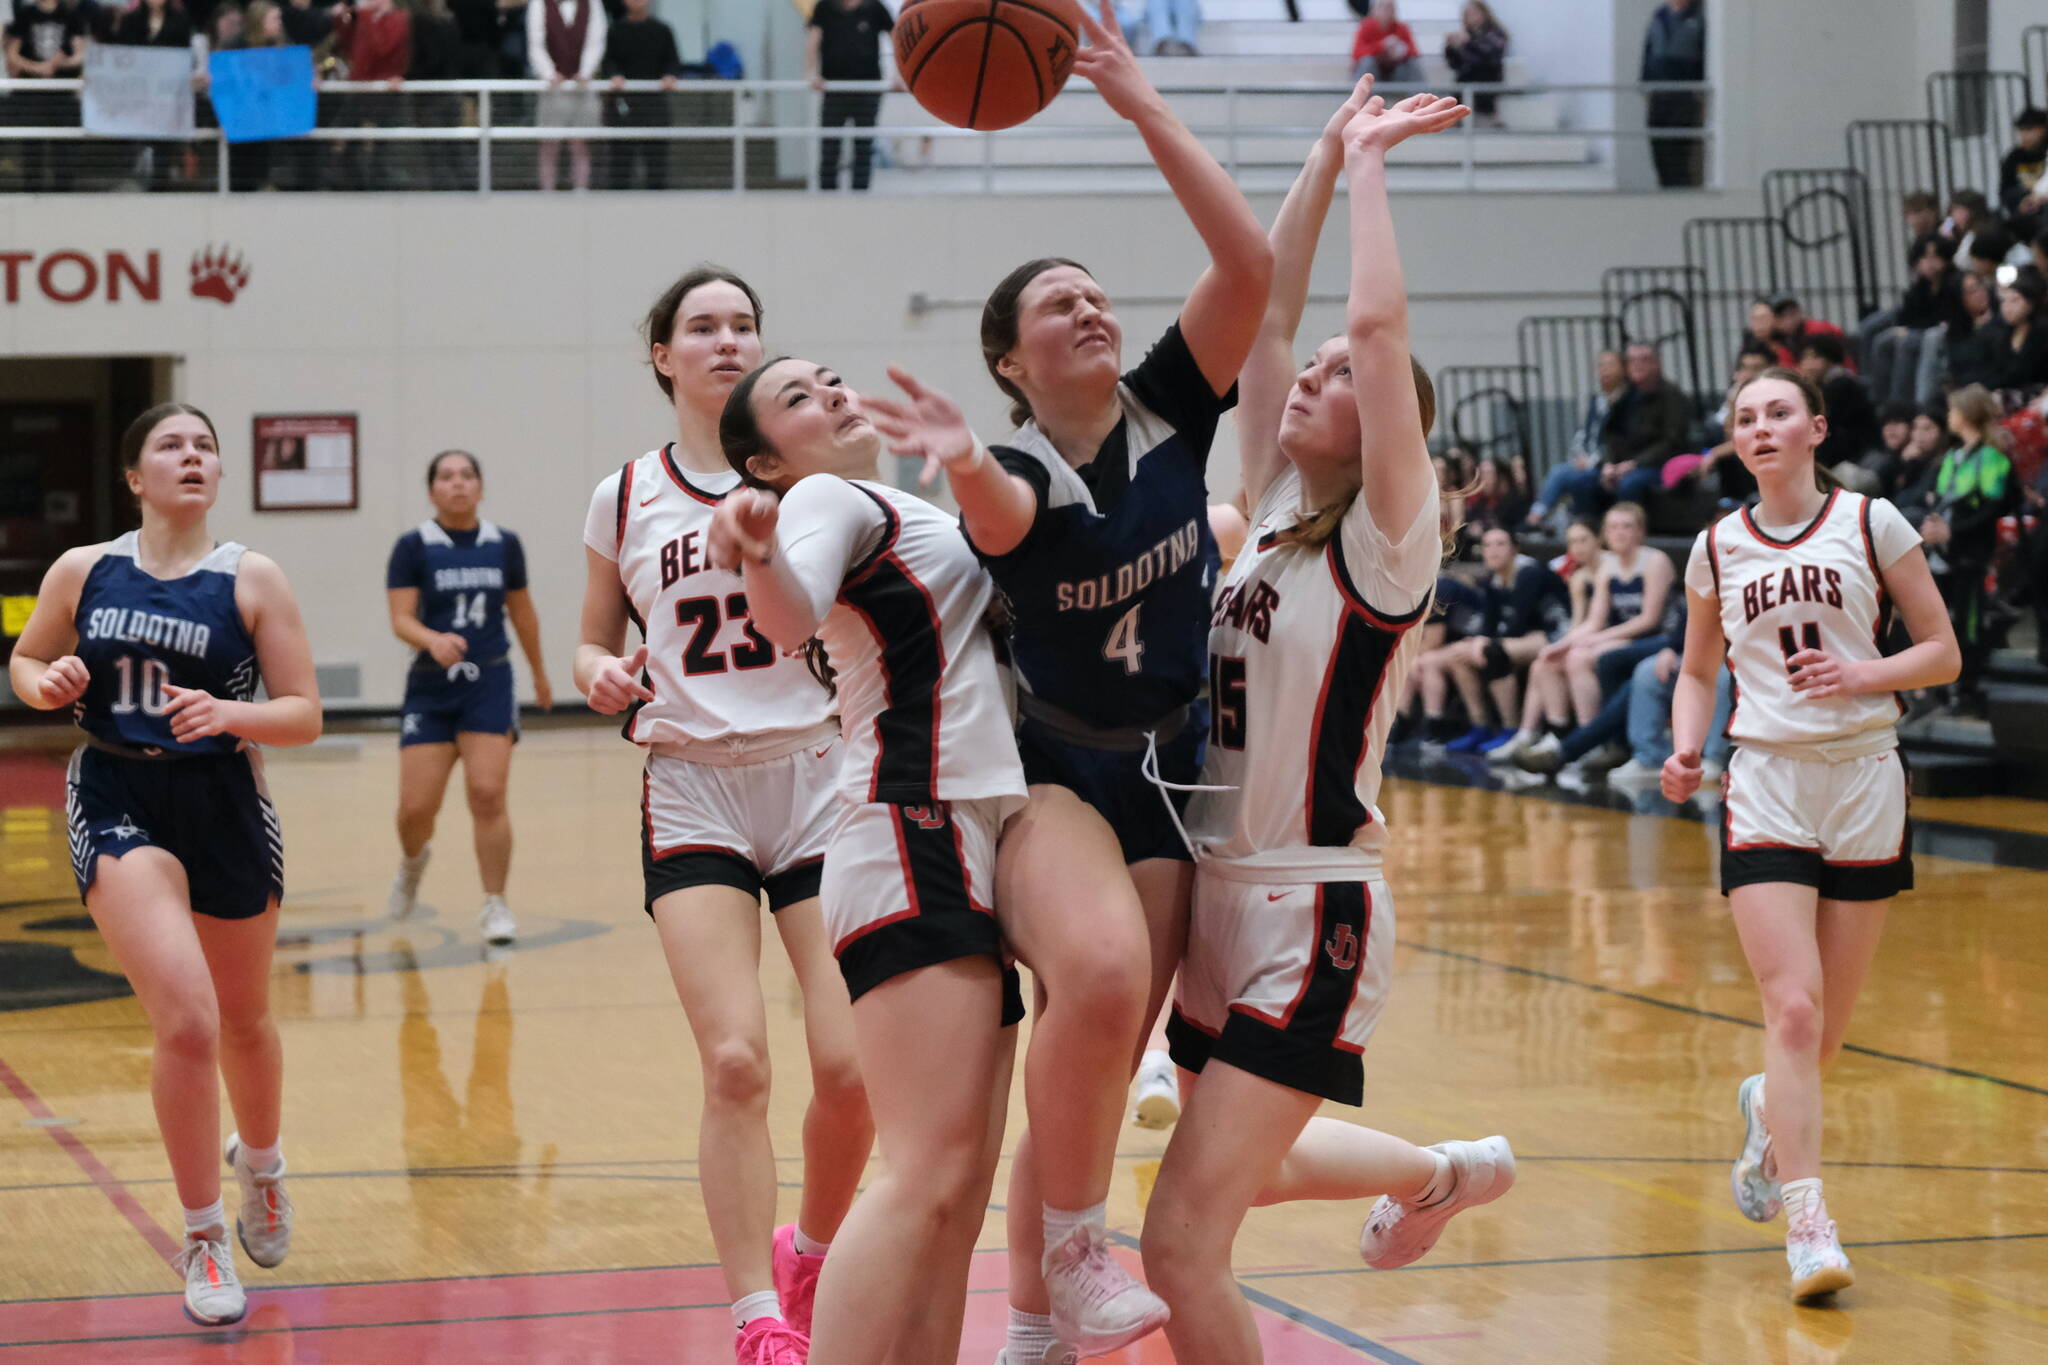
[1440, 1184]
[1061, 1224]
[1029, 1338]
[201, 1220]
[762, 1305]
[809, 1246]
[261, 1160]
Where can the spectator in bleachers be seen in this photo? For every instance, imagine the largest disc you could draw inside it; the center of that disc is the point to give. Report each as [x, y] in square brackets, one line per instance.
[1793, 328]
[1903, 347]
[1524, 604]
[2038, 249]
[2020, 191]
[640, 48]
[1991, 246]
[1500, 496]
[1386, 47]
[46, 39]
[1651, 422]
[844, 43]
[156, 23]
[374, 42]
[308, 25]
[2035, 505]
[1852, 419]
[564, 44]
[1675, 49]
[1763, 331]
[1588, 448]
[2023, 360]
[1477, 51]
[481, 26]
[1921, 212]
[1973, 357]
[1549, 708]
[224, 28]
[1172, 26]
[1920, 462]
[1972, 489]
[1968, 210]
[1894, 434]
[437, 56]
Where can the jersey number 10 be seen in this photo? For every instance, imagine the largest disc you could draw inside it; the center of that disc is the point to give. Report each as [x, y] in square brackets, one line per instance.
[155, 677]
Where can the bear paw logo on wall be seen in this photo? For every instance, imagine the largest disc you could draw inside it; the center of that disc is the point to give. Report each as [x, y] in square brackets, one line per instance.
[219, 274]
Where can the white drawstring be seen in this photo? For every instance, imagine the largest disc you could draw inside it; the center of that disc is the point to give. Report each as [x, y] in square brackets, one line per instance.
[1150, 768]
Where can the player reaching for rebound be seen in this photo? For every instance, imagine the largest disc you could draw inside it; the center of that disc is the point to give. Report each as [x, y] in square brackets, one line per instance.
[1291, 938]
[157, 641]
[738, 801]
[452, 584]
[1796, 595]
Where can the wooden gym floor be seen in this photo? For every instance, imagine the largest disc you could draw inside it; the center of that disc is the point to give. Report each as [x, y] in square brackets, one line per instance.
[492, 1159]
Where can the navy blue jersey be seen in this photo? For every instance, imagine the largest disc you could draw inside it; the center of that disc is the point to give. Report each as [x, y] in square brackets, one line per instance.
[1624, 598]
[1536, 600]
[1462, 604]
[462, 577]
[138, 633]
[1110, 589]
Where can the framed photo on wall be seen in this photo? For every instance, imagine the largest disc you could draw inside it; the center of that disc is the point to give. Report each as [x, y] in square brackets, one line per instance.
[305, 462]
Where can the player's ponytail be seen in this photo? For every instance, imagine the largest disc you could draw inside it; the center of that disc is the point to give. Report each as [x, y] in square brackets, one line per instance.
[739, 431]
[999, 327]
[1315, 530]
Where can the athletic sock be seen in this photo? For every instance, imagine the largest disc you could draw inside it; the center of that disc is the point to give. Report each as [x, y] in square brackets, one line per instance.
[1442, 729]
[1029, 1338]
[1441, 1182]
[1803, 1199]
[214, 1215]
[262, 1160]
[762, 1305]
[1061, 1223]
[809, 1246]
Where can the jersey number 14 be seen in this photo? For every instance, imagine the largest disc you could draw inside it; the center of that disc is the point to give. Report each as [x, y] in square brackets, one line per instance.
[469, 611]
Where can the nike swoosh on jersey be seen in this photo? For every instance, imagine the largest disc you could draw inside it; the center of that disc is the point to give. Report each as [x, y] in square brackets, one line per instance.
[650, 497]
[1276, 896]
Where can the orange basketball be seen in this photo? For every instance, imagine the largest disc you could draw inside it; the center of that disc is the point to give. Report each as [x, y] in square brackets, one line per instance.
[986, 64]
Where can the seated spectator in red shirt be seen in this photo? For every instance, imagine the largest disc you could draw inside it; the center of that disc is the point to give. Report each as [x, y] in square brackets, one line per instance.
[1386, 47]
[1795, 329]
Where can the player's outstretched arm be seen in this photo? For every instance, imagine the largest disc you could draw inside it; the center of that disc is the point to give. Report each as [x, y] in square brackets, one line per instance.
[996, 506]
[1221, 315]
[1270, 367]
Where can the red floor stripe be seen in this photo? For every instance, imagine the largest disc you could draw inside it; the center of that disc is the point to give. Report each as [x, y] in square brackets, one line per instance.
[82, 1156]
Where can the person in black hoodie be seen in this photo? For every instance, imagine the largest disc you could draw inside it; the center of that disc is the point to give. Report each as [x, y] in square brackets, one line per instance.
[2021, 191]
[1852, 418]
[639, 47]
[2022, 365]
[1904, 360]
[437, 56]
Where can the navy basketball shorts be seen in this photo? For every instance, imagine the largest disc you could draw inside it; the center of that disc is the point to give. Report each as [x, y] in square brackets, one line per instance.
[466, 699]
[212, 813]
[1840, 827]
[1284, 980]
[757, 827]
[1114, 782]
[908, 887]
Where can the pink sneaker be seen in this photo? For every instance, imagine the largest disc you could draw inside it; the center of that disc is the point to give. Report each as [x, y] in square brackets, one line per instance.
[771, 1341]
[1097, 1305]
[796, 1279]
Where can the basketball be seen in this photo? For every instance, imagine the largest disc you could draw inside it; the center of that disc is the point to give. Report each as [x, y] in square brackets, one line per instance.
[986, 64]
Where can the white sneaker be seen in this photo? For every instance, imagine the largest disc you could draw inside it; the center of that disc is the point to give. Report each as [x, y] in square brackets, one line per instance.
[1504, 756]
[1543, 755]
[1397, 1232]
[213, 1295]
[264, 1224]
[1756, 1191]
[1634, 774]
[1097, 1306]
[1819, 1266]
[1158, 1091]
[1059, 1353]
[405, 887]
[496, 921]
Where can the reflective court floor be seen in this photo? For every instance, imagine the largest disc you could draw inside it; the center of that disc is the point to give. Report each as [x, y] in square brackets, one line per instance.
[493, 1157]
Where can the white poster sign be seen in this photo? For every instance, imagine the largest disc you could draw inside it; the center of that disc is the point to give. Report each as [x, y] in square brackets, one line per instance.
[138, 91]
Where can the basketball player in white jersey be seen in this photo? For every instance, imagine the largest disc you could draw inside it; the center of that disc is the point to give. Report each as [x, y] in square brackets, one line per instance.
[1291, 939]
[1796, 595]
[737, 803]
[886, 586]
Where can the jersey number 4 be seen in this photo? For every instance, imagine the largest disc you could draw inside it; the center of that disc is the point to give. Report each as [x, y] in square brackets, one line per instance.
[1806, 637]
[699, 658]
[1123, 645]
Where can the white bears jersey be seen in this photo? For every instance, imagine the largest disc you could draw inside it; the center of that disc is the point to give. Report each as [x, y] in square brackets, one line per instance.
[1308, 652]
[715, 679]
[1785, 589]
[925, 705]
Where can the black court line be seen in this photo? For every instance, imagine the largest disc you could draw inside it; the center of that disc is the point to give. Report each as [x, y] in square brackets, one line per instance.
[2021, 849]
[386, 1284]
[1854, 1165]
[1642, 1256]
[1677, 1008]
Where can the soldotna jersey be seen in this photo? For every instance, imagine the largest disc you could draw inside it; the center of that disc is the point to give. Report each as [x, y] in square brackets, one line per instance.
[1308, 653]
[714, 677]
[1786, 589]
[924, 701]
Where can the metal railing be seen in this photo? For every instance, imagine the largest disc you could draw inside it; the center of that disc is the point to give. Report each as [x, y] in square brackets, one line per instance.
[482, 135]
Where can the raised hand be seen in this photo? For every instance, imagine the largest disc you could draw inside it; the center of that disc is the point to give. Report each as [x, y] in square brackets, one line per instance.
[1107, 63]
[743, 529]
[63, 682]
[929, 427]
[1378, 126]
[1681, 776]
[195, 714]
[1333, 131]
[617, 684]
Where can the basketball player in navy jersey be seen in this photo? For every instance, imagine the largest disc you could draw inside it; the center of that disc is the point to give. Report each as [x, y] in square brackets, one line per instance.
[157, 641]
[1093, 519]
[1291, 938]
[738, 802]
[453, 582]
